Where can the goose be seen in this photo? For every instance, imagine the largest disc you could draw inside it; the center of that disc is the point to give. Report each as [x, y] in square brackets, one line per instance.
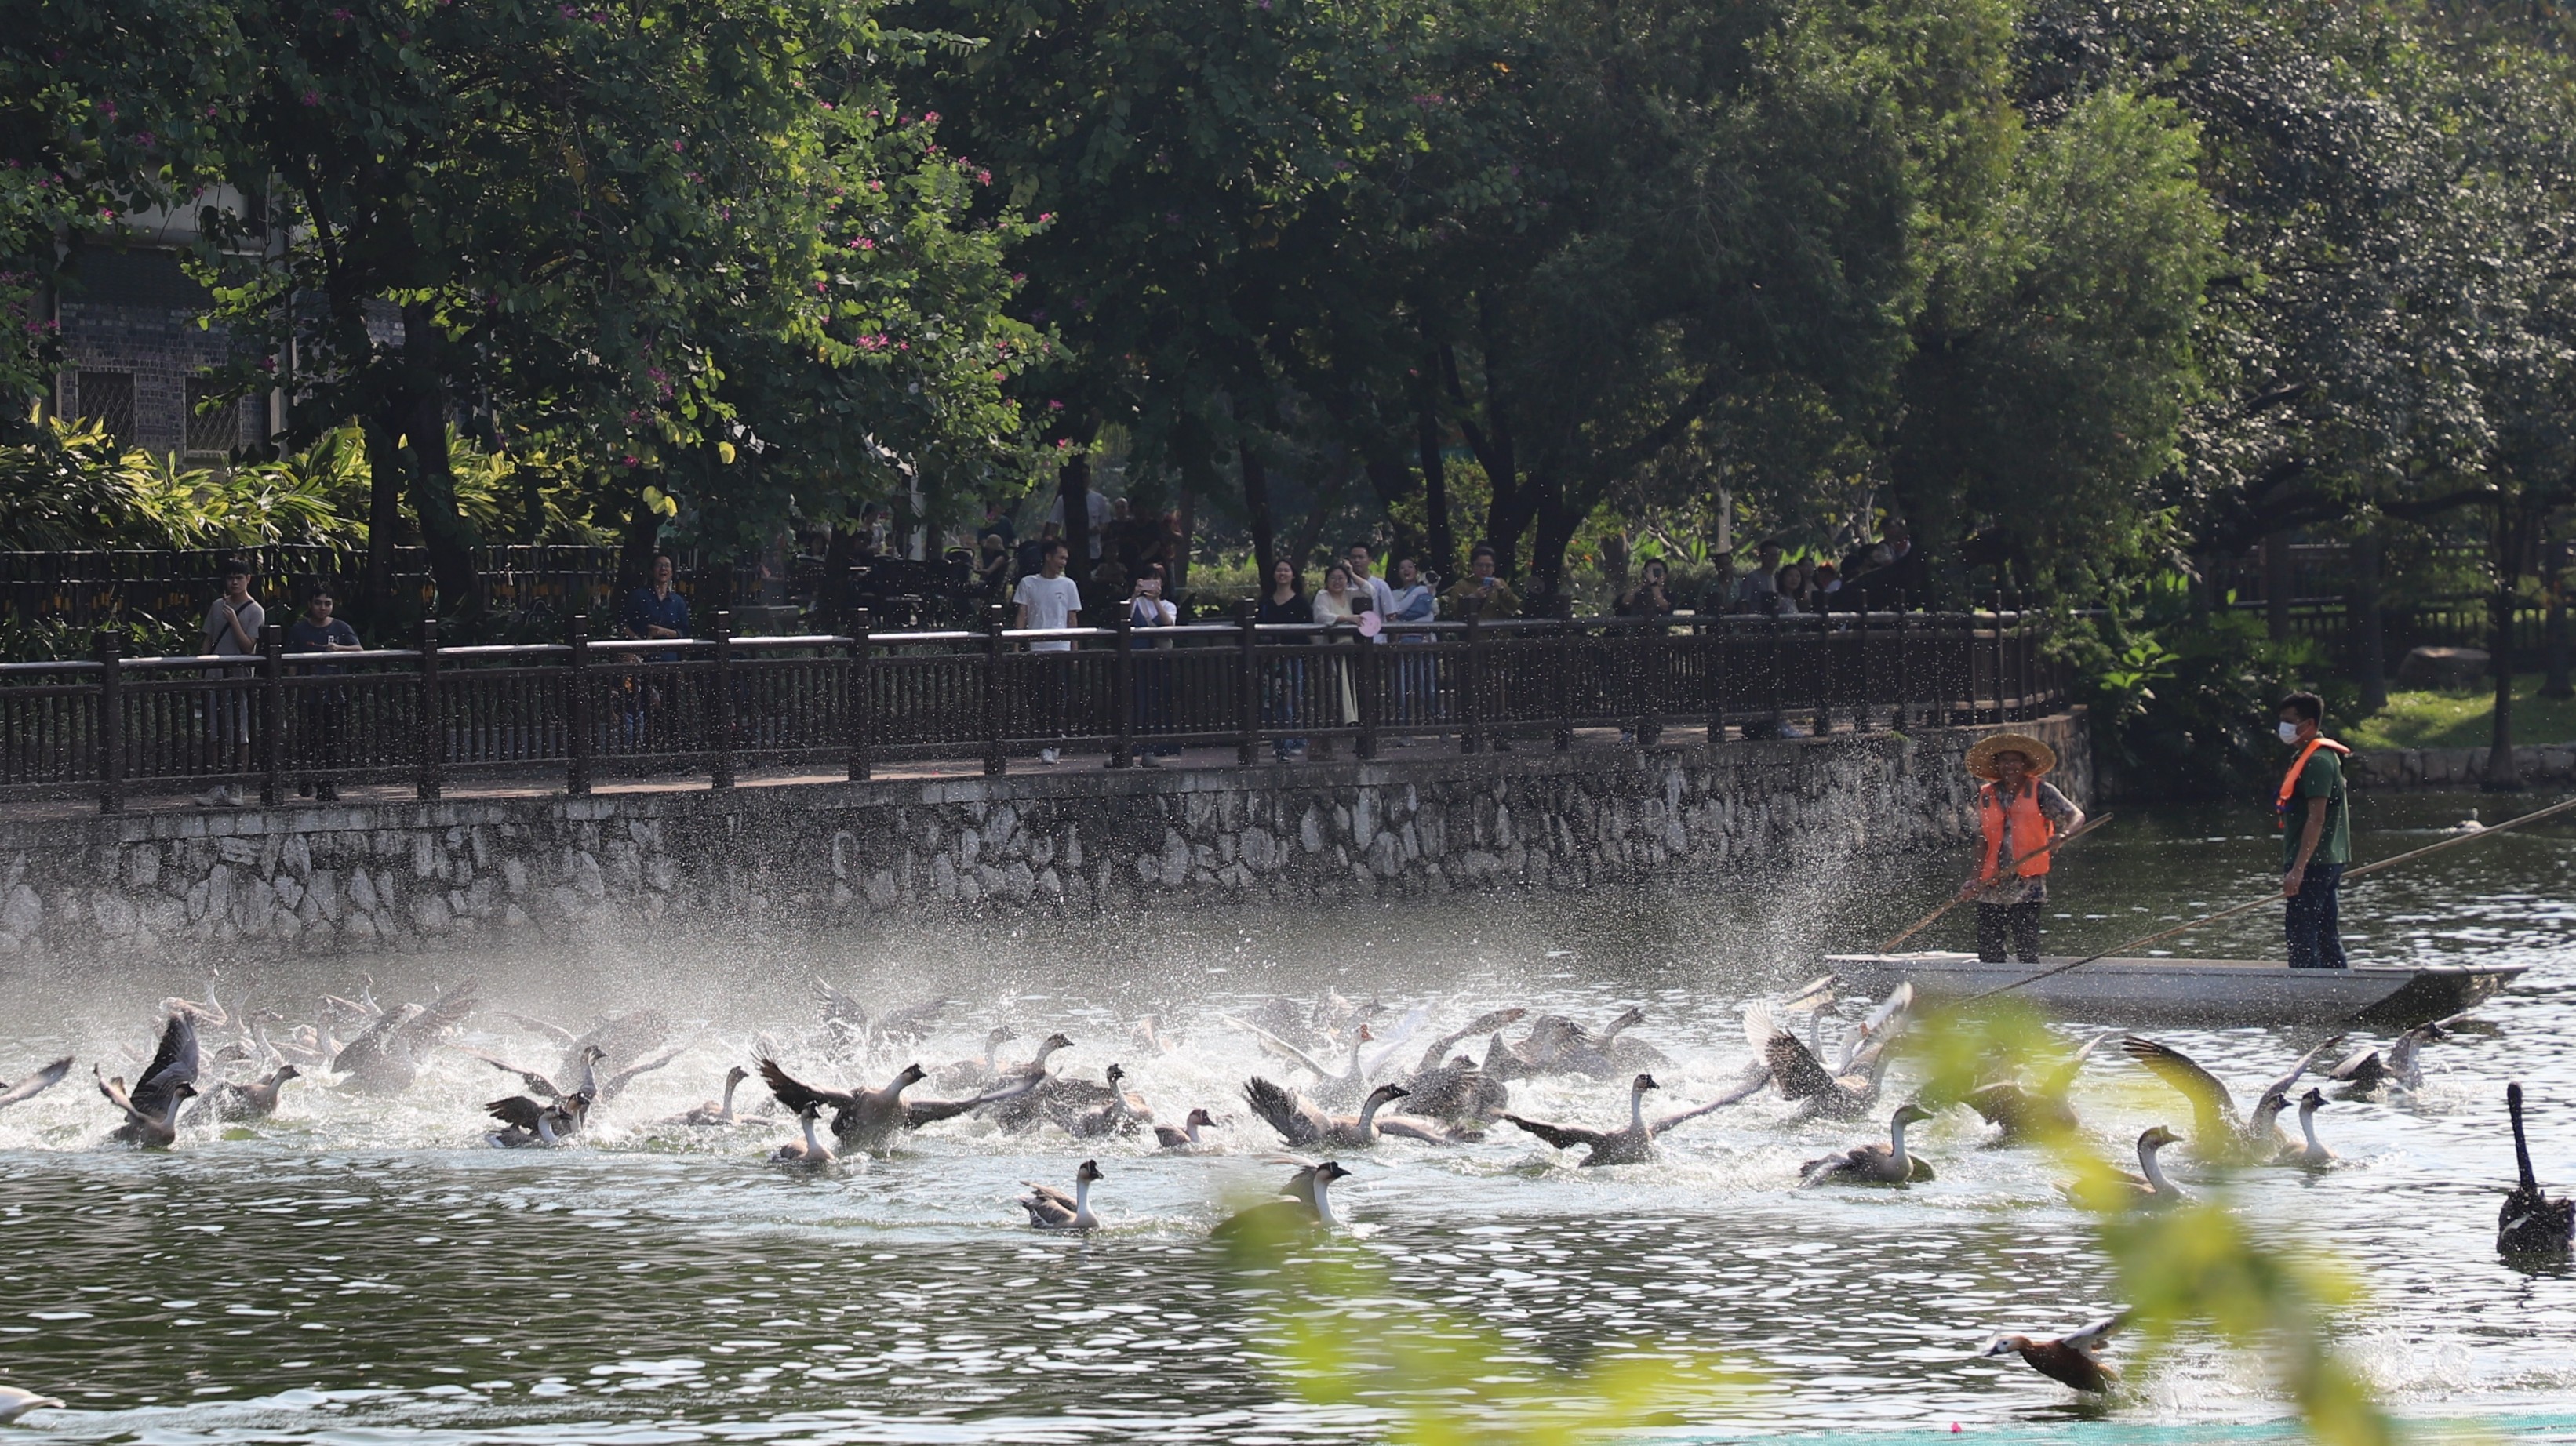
[812, 1151]
[15, 1402]
[1303, 1126]
[1309, 1206]
[209, 1015]
[2531, 1223]
[1051, 1209]
[388, 1058]
[1558, 1045]
[2366, 1069]
[1873, 1164]
[1187, 1137]
[970, 1074]
[2312, 1153]
[715, 1112]
[1121, 1110]
[256, 1100]
[1459, 1090]
[528, 1123]
[870, 1119]
[1026, 1108]
[864, 1029]
[1335, 1088]
[2217, 1133]
[35, 1084]
[1633, 1144]
[2073, 1359]
[2039, 1110]
[630, 1034]
[152, 1108]
[2148, 1189]
[582, 1078]
[1850, 1087]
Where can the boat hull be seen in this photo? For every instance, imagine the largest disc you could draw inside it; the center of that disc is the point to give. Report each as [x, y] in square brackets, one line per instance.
[2202, 991]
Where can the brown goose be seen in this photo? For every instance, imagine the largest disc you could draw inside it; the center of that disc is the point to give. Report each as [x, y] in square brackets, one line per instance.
[870, 1119]
[1120, 1110]
[811, 1152]
[1309, 1206]
[1633, 1144]
[2038, 1110]
[2311, 1153]
[1304, 1127]
[2531, 1224]
[1847, 1089]
[35, 1084]
[2366, 1069]
[1187, 1137]
[1873, 1164]
[976, 1073]
[2148, 1189]
[151, 1109]
[710, 1113]
[2073, 1359]
[389, 1056]
[537, 1124]
[256, 1100]
[2217, 1133]
[1025, 1107]
[1051, 1209]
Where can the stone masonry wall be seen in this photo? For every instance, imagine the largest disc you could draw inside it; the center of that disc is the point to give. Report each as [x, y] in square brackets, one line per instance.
[409, 875]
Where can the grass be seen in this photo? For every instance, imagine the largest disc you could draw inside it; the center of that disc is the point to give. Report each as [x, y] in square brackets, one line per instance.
[2461, 720]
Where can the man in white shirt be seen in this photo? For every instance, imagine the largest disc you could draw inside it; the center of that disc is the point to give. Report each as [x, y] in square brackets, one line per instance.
[1381, 597]
[232, 630]
[1411, 600]
[1048, 599]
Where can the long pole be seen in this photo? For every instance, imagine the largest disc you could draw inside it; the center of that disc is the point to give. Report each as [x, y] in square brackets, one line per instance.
[2060, 842]
[2534, 816]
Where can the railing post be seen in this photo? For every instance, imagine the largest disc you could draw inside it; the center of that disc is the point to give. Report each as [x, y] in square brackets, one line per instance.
[1718, 678]
[996, 763]
[859, 710]
[1861, 715]
[721, 766]
[1653, 663]
[1776, 655]
[110, 650]
[1471, 684]
[1367, 684]
[577, 697]
[433, 727]
[1248, 699]
[1565, 655]
[1122, 747]
[272, 711]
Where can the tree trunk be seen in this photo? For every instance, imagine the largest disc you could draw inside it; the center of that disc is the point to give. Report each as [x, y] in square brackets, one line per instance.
[1556, 523]
[444, 532]
[2501, 776]
[1439, 536]
[1188, 518]
[636, 551]
[385, 478]
[2369, 637]
[1393, 483]
[838, 550]
[2276, 586]
[2556, 685]
[1073, 495]
[1256, 506]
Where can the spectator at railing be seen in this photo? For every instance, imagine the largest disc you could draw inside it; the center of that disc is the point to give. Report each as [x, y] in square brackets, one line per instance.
[1285, 603]
[1032, 554]
[1789, 595]
[231, 630]
[1887, 572]
[1377, 596]
[1753, 591]
[324, 706]
[655, 610]
[993, 567]
[1338, 607]
[1153, 667]
[1651, 597]
[1049, 600]
[1483, 593]
[1411, 600]
[1825, 585]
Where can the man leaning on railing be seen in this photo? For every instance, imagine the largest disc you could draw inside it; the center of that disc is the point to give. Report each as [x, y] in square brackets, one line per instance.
[1049, 600]
[320, 719]
[231, 630]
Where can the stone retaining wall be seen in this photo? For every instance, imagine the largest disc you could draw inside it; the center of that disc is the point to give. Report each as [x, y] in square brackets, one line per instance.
[404, 876]
[2458, 767]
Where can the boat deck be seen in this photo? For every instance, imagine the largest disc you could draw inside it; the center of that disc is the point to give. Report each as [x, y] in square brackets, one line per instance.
[2225, 991]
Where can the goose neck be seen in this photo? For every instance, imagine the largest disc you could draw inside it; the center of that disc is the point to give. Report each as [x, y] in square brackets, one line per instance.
[2308, 1127]
[814, 1147]
[724, 1107]
[1324, 1201]
[2154, 1171]
[546, 1126]
[1081, 1199]
[1637, 1110]
[1368, 1116]
[1896, 1143]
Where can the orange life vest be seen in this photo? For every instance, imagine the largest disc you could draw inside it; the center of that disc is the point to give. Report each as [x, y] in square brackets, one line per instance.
[2290, 780]
[2031, 829]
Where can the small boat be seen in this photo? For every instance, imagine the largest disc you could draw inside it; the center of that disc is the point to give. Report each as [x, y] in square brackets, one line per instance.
[2198, 991]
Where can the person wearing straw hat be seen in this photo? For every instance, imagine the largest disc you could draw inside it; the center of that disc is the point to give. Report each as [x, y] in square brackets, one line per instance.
[2021, 816]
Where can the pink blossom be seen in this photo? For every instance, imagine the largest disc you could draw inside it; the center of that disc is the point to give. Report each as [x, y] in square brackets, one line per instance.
[1019, 277]
[1054, 405]
[633, 461]
[312, 97]
[1064, 444]
[876, 185]
[1001, 376]
[1045, 216]
[679, 146]
[342, 15]
[930, 117]
[983, 178]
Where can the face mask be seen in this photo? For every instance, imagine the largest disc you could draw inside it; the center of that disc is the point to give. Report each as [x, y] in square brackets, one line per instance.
[2289, 732]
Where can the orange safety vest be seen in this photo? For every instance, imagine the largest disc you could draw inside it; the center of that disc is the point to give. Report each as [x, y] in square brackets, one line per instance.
[2290, 780]
[2031, 829]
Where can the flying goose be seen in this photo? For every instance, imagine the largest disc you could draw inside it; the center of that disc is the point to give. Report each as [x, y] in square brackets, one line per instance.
[1309, 1206]
[35, 1084]
[2531, 1223]
[972, 1074]
[256, 1100]
[870, 1119]
[528, 1123]
[2366, 1069]
[1303, 1126]
[1847, 1089]
[581, 1079]
[2312, 1152]
[151, 1109]
[1187, 1137]
[715, 1112]
[389, 1056]
[2039, 1110]
[1558, 1045]
[1635, 1142]
[812, 1151]
[1873, 1164]
[2217, 1133]
[15, 1403]
[864, 1029]
[1335, 1088]
[1051, 1209]
[2073, 1359]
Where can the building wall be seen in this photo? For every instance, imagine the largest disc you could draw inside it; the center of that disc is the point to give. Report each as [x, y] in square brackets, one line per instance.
[405, 876]
[136, 312]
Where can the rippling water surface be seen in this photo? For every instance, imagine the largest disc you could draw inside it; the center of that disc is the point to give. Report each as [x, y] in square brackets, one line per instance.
[363, 1269]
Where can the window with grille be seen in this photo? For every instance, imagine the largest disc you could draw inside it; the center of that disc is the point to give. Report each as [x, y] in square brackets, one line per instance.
[107, 398]
[215, 431]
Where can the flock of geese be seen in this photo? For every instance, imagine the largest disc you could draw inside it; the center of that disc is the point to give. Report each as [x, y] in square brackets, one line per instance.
[1355, 1084]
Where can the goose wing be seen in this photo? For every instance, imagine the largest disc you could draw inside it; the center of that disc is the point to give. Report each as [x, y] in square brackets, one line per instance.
[1411, 1129]
[1297, 1122]
[799, 1096]
[1562, 1137]
[624, 1077]
[517, 1110]
[175, 1063]
[1790, 1062]
[2093, 1337]
[2282, 1085]
[1743, 1089]
[1050, 1195]
[1485, 1023]
[35, 1084]
[2061, 1079]
[1273, 1041]
[555, 1032]
[913, 1023]
[2213, 1110]
[538, 1085]
[917, 1113]
[442, 1014]
[113, 1086]
[2353, 1066]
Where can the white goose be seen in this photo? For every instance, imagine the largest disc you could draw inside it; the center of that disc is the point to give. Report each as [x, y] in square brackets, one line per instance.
[1051, 1209]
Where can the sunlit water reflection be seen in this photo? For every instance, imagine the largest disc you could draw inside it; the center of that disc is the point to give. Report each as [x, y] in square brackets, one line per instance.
[360, 1269]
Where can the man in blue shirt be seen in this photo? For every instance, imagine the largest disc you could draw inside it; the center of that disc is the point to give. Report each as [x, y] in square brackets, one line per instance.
[653, 611]
[315, 630]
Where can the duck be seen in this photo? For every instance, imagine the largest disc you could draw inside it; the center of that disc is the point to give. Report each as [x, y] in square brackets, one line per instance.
[2039, 1110]
[2531, 1224]
[2366, 1069]
[1187, 1137]
[1303, 1126]
[388, 1058]
[710, 1113]
[811, 1152]
[537, 1124]
[1308, 1206]
[2217, 1133]
[1630, 1145]
[969, 1074]
[1051, 1209]
[2073, 1359]
[1873, 1164]
[16, 1402]
[45, 1078]
[2312, 1152]
[151, 1109]
[870, 1119]
[256, 1100]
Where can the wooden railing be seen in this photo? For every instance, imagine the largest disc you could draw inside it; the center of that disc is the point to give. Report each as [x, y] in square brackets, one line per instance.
[586, 708]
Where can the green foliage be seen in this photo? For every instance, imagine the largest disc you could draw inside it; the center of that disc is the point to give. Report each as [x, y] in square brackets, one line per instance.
[69, 487]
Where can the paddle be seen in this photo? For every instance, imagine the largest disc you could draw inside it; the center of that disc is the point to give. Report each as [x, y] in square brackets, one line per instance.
[1926, 921]
[2534, 816]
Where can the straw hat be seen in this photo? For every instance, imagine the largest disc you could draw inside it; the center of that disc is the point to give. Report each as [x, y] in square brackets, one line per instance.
[1981, 758]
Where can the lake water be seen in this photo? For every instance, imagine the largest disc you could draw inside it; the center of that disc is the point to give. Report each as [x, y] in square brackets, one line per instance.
[366, 1271]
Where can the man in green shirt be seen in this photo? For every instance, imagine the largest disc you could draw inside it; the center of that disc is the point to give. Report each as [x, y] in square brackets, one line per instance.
[2315, 820]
